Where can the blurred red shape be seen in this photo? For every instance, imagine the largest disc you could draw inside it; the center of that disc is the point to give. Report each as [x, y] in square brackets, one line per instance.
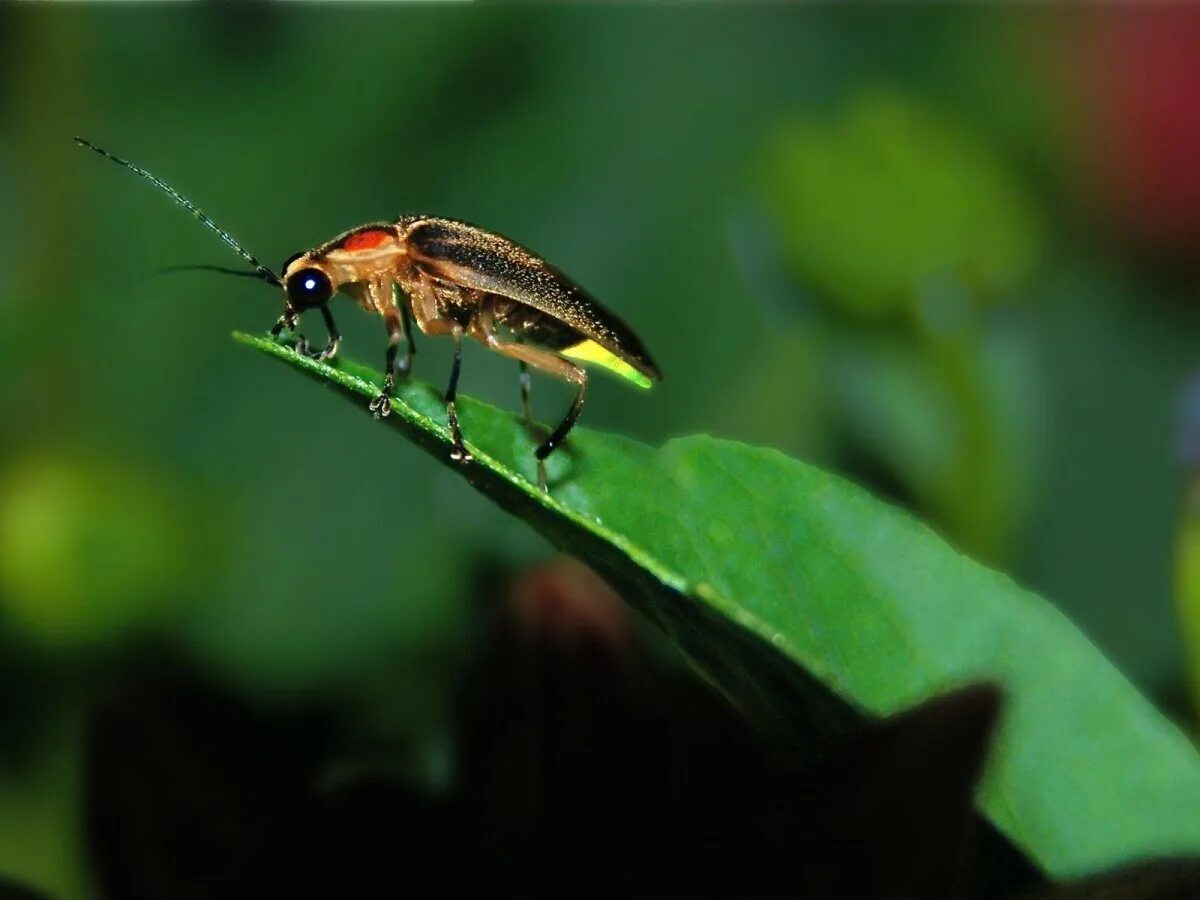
[1142, 68]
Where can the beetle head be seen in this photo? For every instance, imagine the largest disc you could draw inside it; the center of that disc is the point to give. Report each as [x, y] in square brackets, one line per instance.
[306, 282]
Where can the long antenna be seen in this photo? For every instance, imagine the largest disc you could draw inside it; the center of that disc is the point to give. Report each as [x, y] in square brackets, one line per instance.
[260, 271]
[224, 270]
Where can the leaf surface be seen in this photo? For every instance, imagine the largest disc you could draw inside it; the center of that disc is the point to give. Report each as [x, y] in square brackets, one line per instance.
[810, 603]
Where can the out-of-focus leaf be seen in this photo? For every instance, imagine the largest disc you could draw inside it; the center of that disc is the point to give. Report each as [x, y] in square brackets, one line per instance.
[779, 398]
[1187, 536]
[1165, 879]
[806, 600]
[956, 423]
[1187, 585]
[10, 890]
[41, 843]
[89, 552]
[873, 204]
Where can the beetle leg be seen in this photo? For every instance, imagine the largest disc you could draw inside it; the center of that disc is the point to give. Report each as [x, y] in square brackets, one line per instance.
[397, 300]
[335, 337]
[406, 326]
[483, 329]
[395, 329]
[331, 348]
[567, 371]
[524, 369]
[423, 299]
[431, 322]
[382, 405]
[287, 320]
[458, 450]
[551, 364]
[575, 374]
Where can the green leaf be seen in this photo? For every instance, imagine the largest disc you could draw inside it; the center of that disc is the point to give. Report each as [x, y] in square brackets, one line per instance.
[890, 193]
[809, 603]
[1187, 584]
[42, 843]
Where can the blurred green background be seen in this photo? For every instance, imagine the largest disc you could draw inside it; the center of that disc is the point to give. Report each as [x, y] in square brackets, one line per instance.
[951, 253]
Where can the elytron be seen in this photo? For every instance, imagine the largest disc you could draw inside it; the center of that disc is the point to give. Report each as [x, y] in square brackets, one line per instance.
[453, 279]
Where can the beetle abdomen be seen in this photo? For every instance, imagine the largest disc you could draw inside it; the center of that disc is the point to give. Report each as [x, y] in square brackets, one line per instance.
[467, 255]
[456, 302]
[534, 326]
[546, 331]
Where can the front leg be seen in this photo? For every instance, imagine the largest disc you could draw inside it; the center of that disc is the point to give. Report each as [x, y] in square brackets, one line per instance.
[287, 320]
[331, 348]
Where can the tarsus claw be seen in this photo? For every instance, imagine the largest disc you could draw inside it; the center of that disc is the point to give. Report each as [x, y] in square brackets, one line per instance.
[381, 406]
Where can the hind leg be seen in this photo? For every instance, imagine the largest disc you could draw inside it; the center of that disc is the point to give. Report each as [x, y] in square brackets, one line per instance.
[525, 405]
[548, 362]
[544, 361]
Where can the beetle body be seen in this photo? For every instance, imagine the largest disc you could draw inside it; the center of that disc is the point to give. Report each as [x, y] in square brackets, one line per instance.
[451, 278]
[454, 272]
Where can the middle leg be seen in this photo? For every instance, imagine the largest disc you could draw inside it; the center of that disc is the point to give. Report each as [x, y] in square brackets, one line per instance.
[432, 321]
[458, 450]
[525, 405]
[382, 405]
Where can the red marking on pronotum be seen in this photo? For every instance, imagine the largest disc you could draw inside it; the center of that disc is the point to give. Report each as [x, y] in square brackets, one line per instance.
[365, 240]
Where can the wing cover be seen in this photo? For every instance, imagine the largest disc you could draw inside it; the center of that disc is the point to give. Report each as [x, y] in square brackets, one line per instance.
[488, 262]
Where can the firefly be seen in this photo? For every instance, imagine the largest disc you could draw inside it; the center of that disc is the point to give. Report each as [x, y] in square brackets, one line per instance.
[450, 278]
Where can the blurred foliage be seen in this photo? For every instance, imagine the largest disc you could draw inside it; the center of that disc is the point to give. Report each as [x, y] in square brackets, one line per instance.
[41, 827]
[1139, 72]
[954, 416]
[1187, 586]
[891, 195]
[893, 212]
[1187, 537]
[186, 786]
[89, 553]
[1017, 391]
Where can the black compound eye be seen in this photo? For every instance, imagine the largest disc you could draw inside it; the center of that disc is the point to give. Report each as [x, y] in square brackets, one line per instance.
[308, 287]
